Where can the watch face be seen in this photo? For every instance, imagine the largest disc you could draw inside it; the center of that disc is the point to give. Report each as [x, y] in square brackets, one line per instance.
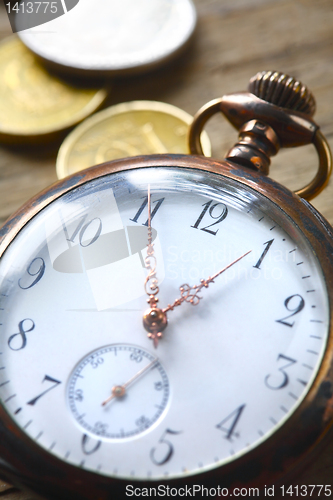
[79, 374]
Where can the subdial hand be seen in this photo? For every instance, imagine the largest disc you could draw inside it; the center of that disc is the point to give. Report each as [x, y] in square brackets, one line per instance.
[193, 298]
[118, 391]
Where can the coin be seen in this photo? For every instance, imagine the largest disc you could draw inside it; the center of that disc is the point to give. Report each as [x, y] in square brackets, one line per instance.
[35, 106]
[4, 486]
[126, 129]
[108, 37]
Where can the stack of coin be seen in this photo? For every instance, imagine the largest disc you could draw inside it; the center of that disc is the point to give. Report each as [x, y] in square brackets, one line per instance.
[105, 38]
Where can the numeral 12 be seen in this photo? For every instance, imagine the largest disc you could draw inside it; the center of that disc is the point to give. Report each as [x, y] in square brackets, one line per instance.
[211, 210]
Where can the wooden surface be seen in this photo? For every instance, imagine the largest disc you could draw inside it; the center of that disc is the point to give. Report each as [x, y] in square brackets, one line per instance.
[234, 40]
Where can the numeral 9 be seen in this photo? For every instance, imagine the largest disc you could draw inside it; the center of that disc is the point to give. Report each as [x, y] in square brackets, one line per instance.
[35, 268]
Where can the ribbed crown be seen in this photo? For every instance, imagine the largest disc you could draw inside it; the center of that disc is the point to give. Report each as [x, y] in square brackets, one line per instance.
[282, 90]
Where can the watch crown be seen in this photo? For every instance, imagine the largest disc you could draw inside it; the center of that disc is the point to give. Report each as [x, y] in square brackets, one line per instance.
[283, 91]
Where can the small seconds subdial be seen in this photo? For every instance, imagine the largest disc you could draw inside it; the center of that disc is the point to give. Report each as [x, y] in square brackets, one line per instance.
[118, 391]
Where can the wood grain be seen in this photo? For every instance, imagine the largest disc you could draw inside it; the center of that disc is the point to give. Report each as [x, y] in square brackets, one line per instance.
[234, 40]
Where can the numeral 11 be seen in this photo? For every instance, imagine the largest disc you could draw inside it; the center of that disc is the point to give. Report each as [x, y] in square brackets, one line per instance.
[157, 203]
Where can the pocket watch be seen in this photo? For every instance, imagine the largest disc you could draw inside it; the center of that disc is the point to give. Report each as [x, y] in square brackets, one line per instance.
[224, 377]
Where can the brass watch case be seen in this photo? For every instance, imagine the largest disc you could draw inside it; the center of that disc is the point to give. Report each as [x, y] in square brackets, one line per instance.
[26, 464]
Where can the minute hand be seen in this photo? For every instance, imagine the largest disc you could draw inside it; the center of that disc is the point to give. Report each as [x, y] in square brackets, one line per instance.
[151, 281]
[194, 298]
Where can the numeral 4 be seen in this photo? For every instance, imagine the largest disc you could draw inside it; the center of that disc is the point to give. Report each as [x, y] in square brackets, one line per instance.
[228, 424]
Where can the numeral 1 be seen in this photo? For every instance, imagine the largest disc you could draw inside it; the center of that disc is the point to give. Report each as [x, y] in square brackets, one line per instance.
[263, 255]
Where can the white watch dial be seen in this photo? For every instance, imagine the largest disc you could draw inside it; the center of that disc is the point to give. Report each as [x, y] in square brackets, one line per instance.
[227, 372]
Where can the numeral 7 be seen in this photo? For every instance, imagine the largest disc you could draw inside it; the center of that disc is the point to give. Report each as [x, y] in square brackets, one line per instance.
[47, 378]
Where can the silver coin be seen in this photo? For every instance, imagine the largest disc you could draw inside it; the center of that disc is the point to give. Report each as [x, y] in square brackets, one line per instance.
[107, 37]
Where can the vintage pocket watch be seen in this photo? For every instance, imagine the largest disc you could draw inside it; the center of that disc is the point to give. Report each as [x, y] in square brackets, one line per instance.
[226, 378]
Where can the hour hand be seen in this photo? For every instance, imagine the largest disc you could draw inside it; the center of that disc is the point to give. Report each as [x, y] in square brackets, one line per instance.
[191, 293]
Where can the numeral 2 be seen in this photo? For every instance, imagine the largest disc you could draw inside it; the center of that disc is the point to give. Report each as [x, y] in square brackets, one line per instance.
[299, 306]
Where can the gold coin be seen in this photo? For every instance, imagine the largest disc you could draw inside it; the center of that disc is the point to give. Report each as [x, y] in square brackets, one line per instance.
[4, 486]
[126, 129]
[34, 105]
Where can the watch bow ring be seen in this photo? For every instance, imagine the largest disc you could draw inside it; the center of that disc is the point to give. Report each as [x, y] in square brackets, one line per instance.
[276, 112]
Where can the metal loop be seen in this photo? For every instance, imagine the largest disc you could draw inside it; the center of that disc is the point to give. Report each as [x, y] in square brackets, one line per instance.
[309, 191]
[324, 171]
[199, 121]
